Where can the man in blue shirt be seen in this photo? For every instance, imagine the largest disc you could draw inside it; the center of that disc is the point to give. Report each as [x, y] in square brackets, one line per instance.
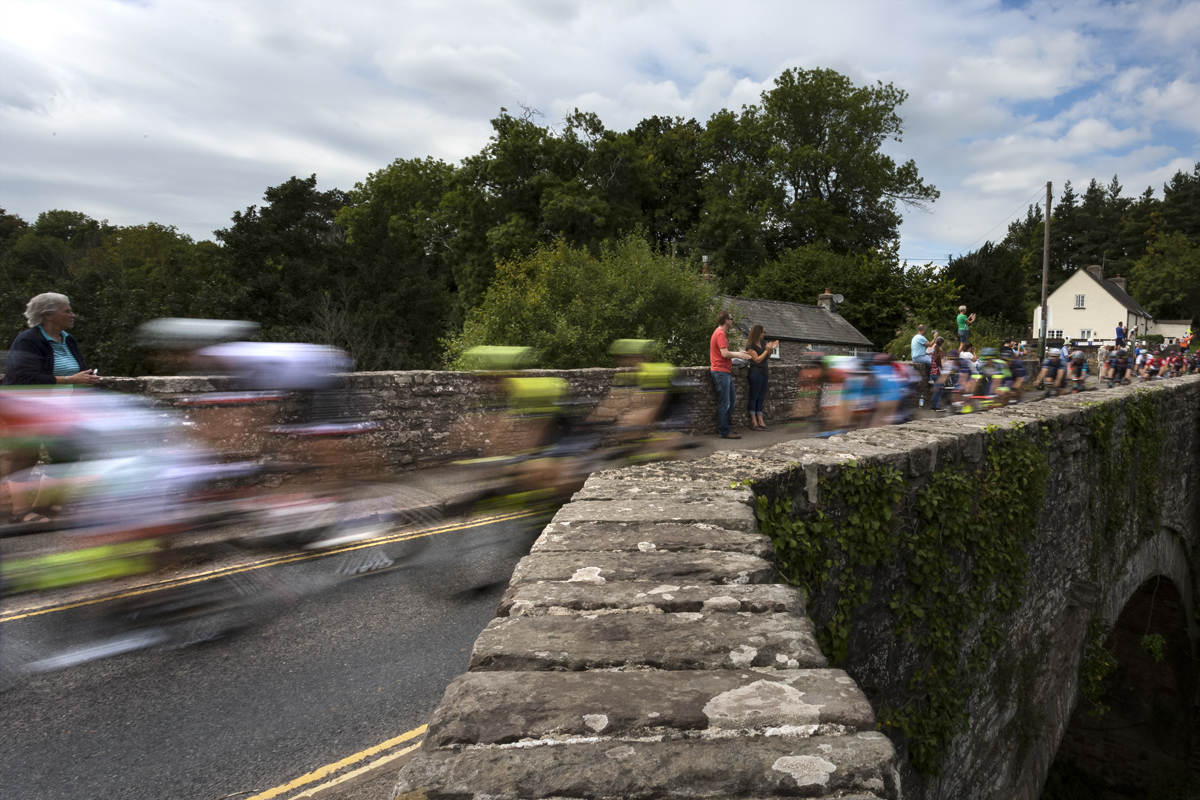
[919, 346]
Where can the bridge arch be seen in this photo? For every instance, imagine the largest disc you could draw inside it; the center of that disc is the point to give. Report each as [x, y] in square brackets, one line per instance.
[1143, 730]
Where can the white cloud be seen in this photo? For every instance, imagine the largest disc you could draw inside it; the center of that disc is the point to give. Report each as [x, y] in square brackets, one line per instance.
[182, 112]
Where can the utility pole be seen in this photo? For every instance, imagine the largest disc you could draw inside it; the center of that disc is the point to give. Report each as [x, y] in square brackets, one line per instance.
[1045, 275]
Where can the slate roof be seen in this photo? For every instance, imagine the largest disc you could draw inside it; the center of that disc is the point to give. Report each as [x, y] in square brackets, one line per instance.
[795, 322]
[1119, 294]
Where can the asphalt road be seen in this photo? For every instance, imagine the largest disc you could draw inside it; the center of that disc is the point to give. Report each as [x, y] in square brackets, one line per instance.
[348, 668]
[342, 671]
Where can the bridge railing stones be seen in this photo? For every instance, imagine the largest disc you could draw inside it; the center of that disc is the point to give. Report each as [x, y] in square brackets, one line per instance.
[426, 415]
[641, 649]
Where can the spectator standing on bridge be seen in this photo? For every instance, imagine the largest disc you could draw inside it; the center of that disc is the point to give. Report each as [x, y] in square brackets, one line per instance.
[937, 373]
[1120, 336]
[720, 365]
[964, 325]
[44, 355]
[760, 350]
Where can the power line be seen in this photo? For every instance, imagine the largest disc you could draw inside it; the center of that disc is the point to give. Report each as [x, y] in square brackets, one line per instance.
[1025, 204]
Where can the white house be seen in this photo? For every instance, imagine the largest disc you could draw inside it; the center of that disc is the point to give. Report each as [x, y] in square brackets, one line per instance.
[1087, 307]
[1172, 330]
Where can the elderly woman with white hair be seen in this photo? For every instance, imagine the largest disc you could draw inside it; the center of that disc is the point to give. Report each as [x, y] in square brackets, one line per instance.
[47, 353]
[44, 355]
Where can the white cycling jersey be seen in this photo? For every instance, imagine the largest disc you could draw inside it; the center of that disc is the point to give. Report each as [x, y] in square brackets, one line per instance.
[288, 366]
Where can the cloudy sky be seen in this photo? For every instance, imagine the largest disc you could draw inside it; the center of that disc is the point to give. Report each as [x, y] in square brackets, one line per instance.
[181, 112]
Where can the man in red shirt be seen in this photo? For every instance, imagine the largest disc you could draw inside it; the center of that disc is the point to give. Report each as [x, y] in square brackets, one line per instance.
[720, 361]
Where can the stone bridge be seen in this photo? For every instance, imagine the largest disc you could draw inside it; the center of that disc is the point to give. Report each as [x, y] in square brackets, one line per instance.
[935, 610]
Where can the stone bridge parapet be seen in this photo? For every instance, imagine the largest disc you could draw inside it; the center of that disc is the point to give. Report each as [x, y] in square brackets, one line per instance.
[643, 648]
[426, 416]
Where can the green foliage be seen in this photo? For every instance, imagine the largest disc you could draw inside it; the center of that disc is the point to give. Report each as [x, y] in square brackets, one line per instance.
[985, 332]
[882, 294]
[964, 557]
[1128, 469]
[392, 268]
[1152, 242]
[824, 139]
[1167, 278]
[829, 550]
[1144, 439]
[805, 167]
[1153, 644]
[571, 305]
[532, 185]
[116, 278]
[1098, 662]
[991, 279]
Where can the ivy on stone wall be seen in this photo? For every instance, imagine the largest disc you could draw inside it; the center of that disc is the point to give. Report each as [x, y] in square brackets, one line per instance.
[1098, 662]
[826, 550]
[1127, 510]
[963, 552]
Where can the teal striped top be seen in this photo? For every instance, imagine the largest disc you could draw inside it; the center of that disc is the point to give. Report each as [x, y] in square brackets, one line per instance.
[64, 362]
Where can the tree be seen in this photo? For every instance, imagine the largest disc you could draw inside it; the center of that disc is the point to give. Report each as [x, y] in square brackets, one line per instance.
[825, 136]
[532, 185]
[392, 302]
[41, 258]
[804, 168]
[671, 152]
[1101, 227]
[1180, 209]
[992, 281]
[138, 273]
[1166, 281]
[733, 227]
[570, 304]
[881, 294]
[283, 253]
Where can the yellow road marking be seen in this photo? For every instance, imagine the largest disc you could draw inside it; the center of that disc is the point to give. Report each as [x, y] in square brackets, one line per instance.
[268, 562]
[329, 769]
[309, 794]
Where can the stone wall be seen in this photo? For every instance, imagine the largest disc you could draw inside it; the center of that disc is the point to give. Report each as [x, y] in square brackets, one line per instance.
[640, 651]
[428, 415]
[1011, 739]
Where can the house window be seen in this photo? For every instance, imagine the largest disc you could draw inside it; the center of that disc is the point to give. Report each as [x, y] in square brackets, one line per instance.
[1079, 301]
[1085, 334]
[1053, 334]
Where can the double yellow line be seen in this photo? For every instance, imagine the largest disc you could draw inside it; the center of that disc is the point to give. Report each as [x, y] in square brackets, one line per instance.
[290, 558]
[330, 769]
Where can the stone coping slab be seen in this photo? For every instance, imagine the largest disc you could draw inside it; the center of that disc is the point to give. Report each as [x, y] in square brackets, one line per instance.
[539, 599]
[503, 707]
[608, 486]
[662, 641]
[649, 538]
[761, 767]
[732, 516]
[682, 568]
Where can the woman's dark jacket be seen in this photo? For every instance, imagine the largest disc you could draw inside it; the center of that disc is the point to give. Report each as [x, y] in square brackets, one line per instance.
[30, 360]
